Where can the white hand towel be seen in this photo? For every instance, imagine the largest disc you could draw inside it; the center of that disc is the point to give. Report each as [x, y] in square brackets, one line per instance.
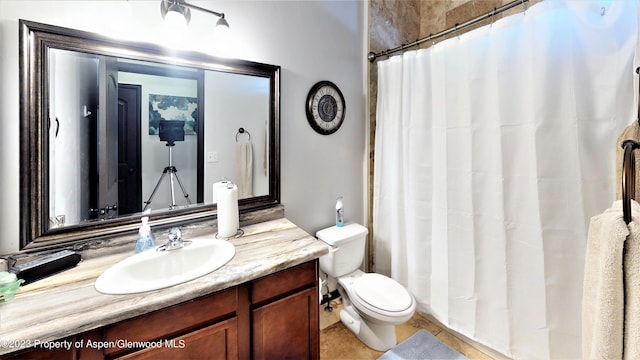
[603, 303]
[244, 169]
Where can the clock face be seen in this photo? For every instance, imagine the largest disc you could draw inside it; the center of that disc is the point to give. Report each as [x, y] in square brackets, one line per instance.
[325, 108]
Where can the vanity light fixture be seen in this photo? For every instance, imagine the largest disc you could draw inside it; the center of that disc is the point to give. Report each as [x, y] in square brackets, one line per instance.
[178, 11]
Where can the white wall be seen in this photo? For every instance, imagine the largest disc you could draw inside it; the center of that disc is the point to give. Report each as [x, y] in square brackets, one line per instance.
[232, 101]
[310, 40]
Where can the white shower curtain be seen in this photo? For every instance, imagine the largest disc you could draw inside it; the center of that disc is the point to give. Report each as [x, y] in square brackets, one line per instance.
[493, 150]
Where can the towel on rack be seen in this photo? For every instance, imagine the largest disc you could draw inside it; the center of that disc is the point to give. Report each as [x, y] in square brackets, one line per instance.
[244, 169]
[631, 132]
[602, 297]
[604, 309]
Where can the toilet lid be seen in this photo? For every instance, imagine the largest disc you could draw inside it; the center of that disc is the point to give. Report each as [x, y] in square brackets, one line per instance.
[382, 292]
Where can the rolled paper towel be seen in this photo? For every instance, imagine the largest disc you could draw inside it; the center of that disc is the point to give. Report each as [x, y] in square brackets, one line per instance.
[218, 185]
[228, 216]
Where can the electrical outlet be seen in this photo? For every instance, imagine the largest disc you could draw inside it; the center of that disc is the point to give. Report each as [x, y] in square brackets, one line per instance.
[212, 156]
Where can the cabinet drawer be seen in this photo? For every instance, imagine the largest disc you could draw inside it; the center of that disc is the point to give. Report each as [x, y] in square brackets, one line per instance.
[173, 320]
[219, 341]
[284, 282]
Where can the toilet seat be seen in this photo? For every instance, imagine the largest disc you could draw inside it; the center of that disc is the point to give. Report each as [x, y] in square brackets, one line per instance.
[379, 292]
[379, 297]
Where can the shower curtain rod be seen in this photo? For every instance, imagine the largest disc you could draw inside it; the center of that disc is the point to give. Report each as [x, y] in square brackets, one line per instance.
[373, 56]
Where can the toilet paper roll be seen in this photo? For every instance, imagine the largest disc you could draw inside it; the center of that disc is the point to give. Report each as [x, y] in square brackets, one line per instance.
[216, 186]
[228, 215]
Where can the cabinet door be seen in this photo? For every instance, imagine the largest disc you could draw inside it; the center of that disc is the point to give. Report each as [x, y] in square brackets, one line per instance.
[287, 328]
[219, 341]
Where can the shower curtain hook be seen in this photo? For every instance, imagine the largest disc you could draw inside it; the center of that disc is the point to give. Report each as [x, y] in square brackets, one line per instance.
[455, 31]
[524, 7]
[493, 17]
[430, 37]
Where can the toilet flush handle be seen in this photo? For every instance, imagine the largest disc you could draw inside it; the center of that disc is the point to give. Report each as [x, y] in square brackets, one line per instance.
[332, 248]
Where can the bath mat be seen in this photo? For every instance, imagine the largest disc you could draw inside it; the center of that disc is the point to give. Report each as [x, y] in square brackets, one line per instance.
[424, 346]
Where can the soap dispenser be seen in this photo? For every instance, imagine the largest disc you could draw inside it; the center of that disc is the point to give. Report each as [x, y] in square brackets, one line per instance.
[339, 212]
[145, 238]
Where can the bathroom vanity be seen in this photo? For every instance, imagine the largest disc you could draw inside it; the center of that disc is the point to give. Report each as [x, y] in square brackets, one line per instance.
[262, 304]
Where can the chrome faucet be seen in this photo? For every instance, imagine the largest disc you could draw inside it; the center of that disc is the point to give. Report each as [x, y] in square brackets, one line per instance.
[175, 241]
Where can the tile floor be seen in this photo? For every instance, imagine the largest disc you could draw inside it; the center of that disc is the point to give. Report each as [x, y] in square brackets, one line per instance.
[338, 343]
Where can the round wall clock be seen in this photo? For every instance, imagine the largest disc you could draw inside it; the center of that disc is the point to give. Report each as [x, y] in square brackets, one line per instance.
[325, 107]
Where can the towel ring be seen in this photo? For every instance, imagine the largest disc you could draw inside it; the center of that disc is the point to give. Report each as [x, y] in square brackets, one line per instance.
[628, 177]
[242, 131]
[638, 72]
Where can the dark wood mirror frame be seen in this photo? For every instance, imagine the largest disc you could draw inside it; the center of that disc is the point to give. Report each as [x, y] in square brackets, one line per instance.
[35, 40]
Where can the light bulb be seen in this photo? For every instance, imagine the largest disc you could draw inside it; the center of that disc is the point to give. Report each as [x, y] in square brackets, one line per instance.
[175, 28]
[222, 37]
[176, 21]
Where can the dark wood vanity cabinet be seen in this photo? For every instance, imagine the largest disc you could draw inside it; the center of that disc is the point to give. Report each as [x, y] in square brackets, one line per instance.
[273, 317]
[285, 319]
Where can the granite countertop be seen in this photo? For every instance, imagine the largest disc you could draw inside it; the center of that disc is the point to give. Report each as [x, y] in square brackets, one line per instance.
[67, 304]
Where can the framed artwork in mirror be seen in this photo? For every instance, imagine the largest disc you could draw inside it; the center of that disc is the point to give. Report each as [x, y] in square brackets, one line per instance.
[171, 107]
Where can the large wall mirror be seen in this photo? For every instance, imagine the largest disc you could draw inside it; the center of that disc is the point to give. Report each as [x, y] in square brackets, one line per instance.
[111, 130]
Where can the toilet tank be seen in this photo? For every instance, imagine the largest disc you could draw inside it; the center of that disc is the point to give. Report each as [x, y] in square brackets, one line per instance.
[347, 248]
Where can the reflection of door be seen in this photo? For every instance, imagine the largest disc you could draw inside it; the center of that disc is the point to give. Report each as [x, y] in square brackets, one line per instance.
[129, 123]
[73, 81]
[108, 140]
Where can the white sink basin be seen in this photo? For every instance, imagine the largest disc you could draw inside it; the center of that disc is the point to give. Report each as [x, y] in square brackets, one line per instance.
[152, 270]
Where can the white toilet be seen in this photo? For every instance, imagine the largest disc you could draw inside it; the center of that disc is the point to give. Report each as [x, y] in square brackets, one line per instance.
[372, 304]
